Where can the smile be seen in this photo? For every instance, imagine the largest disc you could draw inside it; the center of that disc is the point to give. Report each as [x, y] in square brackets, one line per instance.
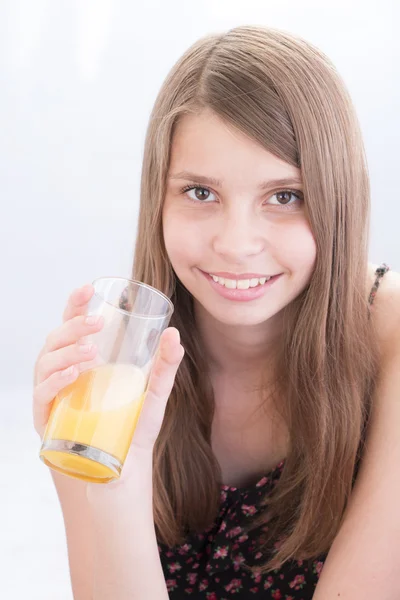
[240, 284]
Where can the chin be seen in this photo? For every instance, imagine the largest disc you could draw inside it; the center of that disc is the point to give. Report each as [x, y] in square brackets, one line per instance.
[238, 315]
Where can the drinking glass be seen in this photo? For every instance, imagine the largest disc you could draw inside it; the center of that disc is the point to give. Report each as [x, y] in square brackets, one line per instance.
[93, 420]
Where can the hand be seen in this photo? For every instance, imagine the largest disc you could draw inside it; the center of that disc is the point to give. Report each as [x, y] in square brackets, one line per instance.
[61, 352]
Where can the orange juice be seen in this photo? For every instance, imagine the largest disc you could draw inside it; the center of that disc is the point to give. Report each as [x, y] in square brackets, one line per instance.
[98, 413]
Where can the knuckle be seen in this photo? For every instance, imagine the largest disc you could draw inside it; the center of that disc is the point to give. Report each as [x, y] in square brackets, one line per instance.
[39, 369]
[38, 395]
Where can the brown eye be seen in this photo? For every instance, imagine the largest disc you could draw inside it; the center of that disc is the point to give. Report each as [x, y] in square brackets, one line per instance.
[286, 199]
[198, 193]
[201, 193]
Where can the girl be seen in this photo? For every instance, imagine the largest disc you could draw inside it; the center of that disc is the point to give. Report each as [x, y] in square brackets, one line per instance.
[254, 219]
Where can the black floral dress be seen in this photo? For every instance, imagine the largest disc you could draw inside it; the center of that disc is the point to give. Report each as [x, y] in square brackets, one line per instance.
[209, 565]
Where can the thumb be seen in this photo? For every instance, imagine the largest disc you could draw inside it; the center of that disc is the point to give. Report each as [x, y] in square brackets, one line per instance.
[162, 377]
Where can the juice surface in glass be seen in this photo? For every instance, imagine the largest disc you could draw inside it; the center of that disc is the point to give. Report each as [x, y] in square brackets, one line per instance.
[100, 409]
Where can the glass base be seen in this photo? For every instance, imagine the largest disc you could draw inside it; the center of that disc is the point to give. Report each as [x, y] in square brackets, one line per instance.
[80, 461]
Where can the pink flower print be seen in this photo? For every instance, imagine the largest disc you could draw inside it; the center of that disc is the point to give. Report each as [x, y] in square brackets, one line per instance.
[278, 544]
[169, 554]
[171, 584]
[221, 552]
[203, 585]
[256, 575]
[223, 496]
[254, 590]
[268, 582]
[243, 538]
[234, 532]
[258, 555]
[248, 510]
[298, 582]
[262, 482]
[223, 526]
[191, 578]
[234, 586]
[184, 549]
[317, 567]
[211, 596]
[238, 561]
[276, 594]
[174, 567]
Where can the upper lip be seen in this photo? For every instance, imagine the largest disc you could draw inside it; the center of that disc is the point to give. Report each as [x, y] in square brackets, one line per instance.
[237, 276]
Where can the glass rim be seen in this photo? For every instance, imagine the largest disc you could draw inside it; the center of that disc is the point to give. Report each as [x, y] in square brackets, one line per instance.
[140, 284]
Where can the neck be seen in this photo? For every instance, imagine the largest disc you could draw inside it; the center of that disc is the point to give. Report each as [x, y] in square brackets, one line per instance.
[235, 350]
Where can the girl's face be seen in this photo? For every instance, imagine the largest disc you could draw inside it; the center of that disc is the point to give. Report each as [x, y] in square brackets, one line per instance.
[234, 222]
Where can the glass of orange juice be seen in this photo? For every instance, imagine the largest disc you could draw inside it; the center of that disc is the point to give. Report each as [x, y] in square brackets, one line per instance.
[93, 420]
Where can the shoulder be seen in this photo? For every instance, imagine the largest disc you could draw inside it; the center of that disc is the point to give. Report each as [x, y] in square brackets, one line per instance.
[385, 310]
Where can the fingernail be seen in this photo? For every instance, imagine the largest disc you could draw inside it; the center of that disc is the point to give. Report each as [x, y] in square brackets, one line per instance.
[85, 348]
[92, 319]
[68, 372]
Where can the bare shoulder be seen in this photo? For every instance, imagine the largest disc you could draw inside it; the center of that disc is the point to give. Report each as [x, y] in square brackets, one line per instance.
[385, 310]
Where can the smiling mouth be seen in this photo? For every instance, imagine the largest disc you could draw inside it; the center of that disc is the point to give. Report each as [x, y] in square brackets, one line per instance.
[240, 284]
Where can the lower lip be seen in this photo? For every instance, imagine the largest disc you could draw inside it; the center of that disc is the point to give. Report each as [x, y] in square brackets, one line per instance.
[241, 295]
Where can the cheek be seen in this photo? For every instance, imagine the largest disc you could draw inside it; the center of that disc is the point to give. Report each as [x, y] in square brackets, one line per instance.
[183, 242]
[297, 246]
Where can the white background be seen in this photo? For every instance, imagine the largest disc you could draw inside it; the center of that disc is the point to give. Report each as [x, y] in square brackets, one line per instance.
[77, 84]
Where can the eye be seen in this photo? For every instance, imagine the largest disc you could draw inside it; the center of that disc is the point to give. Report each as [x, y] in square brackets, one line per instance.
[200, 193]
[284, 197]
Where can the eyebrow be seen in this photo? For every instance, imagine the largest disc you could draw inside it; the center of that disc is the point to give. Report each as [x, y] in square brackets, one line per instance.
[187, 175]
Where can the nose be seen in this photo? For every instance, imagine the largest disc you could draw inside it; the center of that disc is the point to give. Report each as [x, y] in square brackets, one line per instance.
[237, 238]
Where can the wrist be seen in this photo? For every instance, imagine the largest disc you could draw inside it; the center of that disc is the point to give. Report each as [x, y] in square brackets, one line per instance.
[134, 486]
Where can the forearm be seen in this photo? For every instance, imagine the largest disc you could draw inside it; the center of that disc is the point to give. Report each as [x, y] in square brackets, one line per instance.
[78, 528]
[127, 565]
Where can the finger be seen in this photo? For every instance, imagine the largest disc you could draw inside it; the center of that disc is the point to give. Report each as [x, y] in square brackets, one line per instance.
[73, 330]
[75, 354]
[161, 382]
[168, 358]
[77, 302]
[46, 391]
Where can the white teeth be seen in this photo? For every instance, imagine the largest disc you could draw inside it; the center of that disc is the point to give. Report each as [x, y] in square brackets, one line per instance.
[240, 284]
[231, 284]
[243, 284]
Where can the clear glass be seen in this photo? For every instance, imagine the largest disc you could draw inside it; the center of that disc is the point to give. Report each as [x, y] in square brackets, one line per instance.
[93, 420]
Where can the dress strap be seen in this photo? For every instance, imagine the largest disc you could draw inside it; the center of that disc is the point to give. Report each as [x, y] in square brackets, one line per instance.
[380, 271]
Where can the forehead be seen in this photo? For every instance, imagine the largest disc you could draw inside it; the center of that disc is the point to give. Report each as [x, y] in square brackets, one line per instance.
[204, 141]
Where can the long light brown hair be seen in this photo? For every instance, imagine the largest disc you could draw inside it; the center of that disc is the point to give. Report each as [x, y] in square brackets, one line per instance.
[284, 93]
